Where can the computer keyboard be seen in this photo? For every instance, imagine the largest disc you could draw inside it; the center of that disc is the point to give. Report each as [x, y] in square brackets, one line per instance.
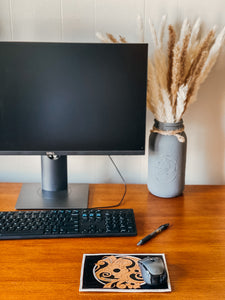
[67, 223]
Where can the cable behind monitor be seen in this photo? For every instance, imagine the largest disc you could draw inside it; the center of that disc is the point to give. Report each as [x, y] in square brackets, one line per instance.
[125, 187]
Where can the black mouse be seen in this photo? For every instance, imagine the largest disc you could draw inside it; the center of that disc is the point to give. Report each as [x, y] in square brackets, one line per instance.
[153, 270]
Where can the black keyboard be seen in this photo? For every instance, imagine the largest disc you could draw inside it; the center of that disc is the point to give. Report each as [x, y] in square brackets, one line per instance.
[67, 223]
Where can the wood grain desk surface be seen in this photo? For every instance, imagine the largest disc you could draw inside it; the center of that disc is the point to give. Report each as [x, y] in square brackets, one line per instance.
[194, 246]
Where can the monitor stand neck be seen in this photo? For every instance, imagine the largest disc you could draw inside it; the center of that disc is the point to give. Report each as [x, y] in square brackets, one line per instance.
[54, 173]
[54, 193]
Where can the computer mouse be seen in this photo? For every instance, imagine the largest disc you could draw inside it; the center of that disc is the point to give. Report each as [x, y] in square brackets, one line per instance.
[153, 270]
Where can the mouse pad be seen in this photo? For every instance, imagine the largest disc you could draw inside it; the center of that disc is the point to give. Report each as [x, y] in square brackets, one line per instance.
[117, 273]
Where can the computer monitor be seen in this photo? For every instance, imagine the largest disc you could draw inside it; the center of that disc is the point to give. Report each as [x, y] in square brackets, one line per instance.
[59, 99]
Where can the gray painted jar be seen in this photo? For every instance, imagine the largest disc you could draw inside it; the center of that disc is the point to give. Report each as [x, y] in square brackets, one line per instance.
[167, 159]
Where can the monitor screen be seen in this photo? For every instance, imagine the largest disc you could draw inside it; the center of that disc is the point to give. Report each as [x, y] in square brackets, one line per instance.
[72, 98]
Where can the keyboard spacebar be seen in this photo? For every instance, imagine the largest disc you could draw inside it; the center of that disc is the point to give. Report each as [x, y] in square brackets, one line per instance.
[23, 232]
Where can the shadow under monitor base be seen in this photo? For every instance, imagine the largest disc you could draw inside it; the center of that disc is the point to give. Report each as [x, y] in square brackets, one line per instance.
[33, 197]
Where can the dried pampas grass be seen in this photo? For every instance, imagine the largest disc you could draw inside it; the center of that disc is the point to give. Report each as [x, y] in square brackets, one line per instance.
[175, 72]
[190, 58]
[109, 38]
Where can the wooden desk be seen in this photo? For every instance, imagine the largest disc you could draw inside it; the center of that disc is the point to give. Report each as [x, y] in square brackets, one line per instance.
[194, 246]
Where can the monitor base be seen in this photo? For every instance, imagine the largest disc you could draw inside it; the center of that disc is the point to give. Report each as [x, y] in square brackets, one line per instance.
[33, 197]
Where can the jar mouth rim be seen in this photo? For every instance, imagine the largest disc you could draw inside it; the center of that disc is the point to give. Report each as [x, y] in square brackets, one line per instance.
[169, 124]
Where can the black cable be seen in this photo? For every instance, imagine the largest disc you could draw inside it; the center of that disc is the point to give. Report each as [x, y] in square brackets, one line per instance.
[125, 187]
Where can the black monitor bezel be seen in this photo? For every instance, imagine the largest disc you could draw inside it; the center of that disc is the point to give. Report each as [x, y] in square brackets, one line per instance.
[81, 152]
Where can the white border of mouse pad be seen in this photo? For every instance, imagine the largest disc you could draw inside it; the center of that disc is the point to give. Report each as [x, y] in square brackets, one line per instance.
[110, 272]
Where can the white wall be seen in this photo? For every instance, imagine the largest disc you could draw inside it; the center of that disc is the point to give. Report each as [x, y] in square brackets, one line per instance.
[78, 20]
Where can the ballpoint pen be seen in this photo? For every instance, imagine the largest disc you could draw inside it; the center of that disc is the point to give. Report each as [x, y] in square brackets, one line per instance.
[153, 234]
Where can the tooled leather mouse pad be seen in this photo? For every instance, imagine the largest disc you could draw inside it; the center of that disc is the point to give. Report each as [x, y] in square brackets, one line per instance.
[109, 272]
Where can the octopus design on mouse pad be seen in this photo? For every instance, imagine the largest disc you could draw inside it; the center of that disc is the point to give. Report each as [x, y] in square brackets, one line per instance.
[118, 271]
[124, 272]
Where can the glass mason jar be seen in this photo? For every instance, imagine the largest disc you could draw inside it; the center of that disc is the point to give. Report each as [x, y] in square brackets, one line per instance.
[167, 159]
